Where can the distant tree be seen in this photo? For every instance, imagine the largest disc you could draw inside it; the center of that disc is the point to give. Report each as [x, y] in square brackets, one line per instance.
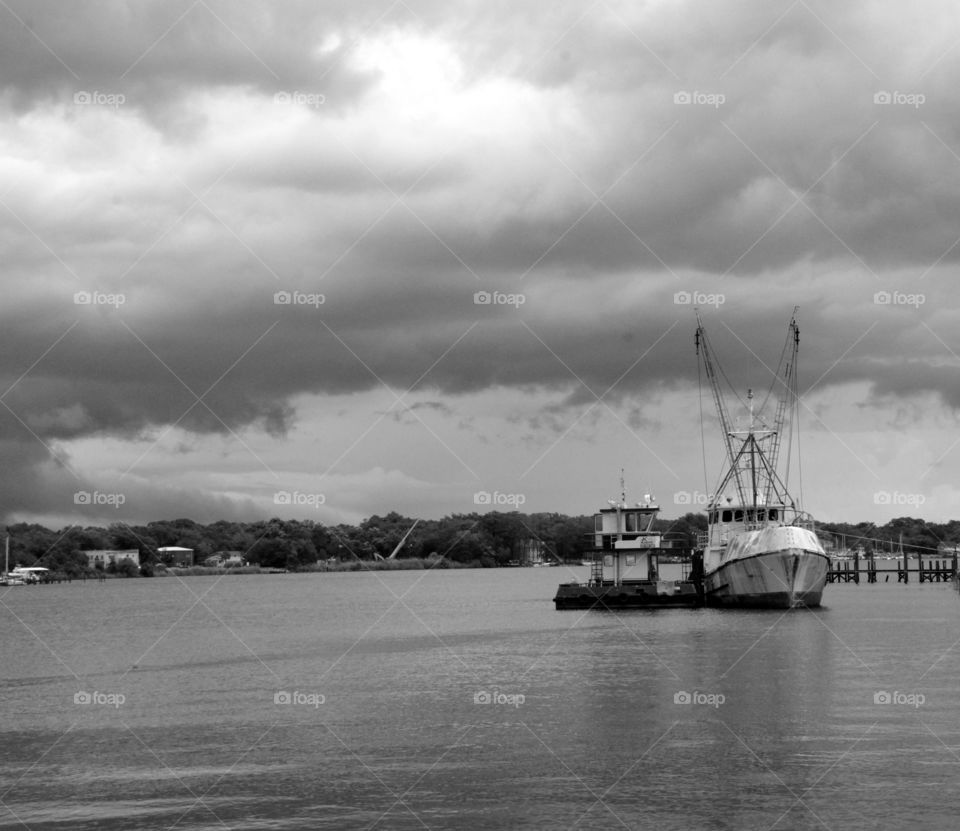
[122, 537]
[127, 568]
[71, 563]
[271, 553]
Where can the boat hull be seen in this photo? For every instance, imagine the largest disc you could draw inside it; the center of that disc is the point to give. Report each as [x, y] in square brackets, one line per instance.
[653, 594]
[785, 579]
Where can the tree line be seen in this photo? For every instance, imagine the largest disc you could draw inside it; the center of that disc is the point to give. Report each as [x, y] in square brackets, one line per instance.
[487, 540]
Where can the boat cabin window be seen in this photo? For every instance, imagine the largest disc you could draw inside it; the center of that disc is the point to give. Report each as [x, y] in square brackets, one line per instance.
[631, 522]
[772, 514]
[761, 515]
[738, 516]
[598, 522]
[727, 516]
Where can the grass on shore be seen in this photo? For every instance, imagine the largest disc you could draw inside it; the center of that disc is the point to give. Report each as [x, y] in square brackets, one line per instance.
[350, 565]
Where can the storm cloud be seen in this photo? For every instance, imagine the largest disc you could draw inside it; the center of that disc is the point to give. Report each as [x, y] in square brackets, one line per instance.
[276, 232]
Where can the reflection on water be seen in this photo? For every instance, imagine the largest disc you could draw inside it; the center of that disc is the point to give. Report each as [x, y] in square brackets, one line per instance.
[461, 699]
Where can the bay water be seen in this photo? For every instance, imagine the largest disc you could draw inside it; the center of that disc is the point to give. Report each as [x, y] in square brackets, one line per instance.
[462, 699]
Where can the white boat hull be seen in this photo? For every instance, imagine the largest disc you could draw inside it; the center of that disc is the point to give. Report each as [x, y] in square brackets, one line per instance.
[779, 567]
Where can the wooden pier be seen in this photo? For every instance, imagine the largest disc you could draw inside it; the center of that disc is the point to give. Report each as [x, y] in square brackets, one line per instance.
[923, 570]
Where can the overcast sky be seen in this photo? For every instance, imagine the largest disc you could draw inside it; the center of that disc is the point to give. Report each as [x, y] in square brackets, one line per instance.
[171, 172]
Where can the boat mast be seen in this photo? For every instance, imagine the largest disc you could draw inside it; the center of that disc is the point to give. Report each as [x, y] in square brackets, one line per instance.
[753, 454]
[766, 486]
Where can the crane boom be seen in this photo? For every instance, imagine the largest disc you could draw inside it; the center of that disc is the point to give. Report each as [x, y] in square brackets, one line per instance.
[789, 382]
[705, 352]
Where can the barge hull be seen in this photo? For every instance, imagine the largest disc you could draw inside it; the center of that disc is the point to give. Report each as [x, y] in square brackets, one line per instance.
[661, 595]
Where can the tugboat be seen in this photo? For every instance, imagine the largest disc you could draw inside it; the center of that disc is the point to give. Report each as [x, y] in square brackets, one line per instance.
[625, 563]
[760, 550]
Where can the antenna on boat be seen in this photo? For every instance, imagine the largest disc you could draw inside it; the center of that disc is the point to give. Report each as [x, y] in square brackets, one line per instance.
[623, 490]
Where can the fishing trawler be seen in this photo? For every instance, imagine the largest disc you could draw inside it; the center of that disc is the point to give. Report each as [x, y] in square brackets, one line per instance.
[760, 549]
[625, 566]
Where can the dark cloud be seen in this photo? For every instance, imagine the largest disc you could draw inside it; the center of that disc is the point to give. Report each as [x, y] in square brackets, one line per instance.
[485, 147]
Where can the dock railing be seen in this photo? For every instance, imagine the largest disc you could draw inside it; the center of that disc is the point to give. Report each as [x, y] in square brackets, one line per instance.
[924, 570]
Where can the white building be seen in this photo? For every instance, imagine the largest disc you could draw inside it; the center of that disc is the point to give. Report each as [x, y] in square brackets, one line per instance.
[106, 556]
[178, 556]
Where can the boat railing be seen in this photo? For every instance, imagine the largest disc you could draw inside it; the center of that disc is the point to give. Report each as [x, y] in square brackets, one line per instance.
[801, 519]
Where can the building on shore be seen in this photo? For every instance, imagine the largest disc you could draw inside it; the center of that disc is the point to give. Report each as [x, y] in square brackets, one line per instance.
[174, 555]
[225, 559]
[532, 552]
[107, 556]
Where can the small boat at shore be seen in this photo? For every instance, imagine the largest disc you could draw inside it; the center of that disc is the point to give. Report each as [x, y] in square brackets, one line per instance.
[760, 549]
[8, 578]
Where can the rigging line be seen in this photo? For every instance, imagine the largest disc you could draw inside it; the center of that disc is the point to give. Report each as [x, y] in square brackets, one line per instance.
[703, 440]
[776, 377]
[793, 416]
[796, 402]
